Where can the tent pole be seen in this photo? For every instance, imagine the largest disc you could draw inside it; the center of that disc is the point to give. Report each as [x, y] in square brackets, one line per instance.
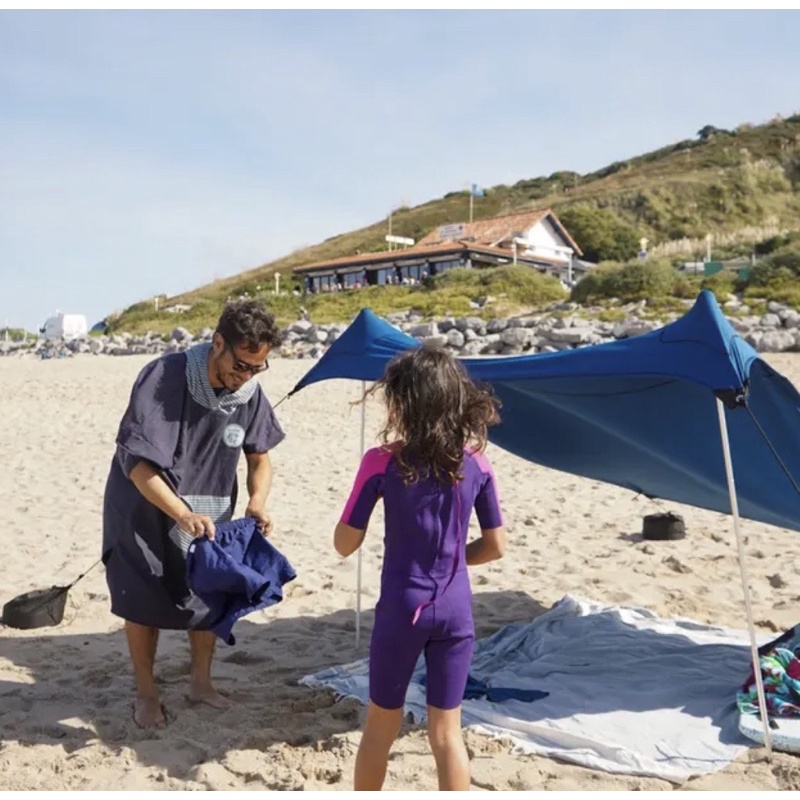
[726, 452]
[358, 557]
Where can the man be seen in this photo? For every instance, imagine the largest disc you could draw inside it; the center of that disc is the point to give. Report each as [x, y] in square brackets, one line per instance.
[173, 477]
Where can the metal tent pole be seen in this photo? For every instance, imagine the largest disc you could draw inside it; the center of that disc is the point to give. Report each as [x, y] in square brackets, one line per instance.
[359, 555]
[726, 452]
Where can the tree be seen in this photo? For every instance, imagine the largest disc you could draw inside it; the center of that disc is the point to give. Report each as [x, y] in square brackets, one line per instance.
[600, 234]
[706, 132]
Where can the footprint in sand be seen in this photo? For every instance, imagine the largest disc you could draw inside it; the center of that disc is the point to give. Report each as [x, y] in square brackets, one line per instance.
[98, 678]
[329, 775]
[315, 702]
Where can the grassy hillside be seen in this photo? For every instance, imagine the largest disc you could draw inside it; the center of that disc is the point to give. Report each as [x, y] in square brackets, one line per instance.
[742, 186]
[512, 289]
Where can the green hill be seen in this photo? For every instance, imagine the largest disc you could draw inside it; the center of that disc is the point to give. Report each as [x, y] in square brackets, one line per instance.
[742, 186]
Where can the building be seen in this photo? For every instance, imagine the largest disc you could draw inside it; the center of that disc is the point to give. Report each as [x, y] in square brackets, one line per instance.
[532, 238]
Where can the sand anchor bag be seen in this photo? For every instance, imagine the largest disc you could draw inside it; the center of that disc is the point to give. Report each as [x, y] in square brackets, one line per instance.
[39, 608]
[663, 527]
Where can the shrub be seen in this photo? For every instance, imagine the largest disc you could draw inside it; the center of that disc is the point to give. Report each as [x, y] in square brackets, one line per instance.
[781, 267]
[722, 284]
[635, 280]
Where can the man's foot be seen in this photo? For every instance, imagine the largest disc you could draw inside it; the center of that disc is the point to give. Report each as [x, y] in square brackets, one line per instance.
[206, 693]
[148, 712]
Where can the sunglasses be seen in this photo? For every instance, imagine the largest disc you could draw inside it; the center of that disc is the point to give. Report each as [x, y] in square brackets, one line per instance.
[244, 367]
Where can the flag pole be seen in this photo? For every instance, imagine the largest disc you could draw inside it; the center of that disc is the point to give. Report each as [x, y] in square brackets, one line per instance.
[726, 453]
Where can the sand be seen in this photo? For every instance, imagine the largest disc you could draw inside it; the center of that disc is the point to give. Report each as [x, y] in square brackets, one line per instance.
[66, 691]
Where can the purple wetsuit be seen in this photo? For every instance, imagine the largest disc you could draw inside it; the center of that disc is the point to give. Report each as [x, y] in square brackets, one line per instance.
[426, 600]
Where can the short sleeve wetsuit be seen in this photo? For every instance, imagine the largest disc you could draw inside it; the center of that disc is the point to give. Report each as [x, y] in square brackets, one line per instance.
[425, 602]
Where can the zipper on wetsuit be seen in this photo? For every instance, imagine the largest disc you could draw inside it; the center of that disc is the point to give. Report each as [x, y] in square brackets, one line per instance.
[457, 560]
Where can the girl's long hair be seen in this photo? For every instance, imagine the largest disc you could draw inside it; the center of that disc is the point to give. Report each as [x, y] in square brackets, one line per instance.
[435, 411]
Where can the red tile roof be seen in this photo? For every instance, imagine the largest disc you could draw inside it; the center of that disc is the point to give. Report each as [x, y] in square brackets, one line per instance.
[492, 230]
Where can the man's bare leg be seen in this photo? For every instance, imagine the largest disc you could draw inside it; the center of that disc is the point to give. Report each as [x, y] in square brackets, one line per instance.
[142, 643]
[201, 689]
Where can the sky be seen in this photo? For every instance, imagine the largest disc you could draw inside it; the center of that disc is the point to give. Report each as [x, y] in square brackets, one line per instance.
[152, 152]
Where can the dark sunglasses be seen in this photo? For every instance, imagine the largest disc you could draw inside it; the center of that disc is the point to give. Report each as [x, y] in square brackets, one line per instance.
[244, 367]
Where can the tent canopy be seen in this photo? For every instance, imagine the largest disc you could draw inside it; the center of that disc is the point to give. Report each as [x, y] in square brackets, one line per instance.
[640, 413]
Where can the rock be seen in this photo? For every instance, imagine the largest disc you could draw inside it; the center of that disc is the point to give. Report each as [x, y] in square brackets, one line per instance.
[754, 339]
[573, 335]
[496, 325]
[777, 341]
[790, 318]
[515, 337]
[634, 328]
[425, 330]
[181, 335]
[743, 324]
[470, 324]
[301, 327]
[473, 348]
[493, 344]
[455, 338]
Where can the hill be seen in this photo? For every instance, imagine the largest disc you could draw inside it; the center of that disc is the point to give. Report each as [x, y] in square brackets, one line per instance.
[741, 185]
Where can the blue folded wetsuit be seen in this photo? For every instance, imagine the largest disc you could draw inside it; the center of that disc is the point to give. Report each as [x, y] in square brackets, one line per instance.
[237, 572]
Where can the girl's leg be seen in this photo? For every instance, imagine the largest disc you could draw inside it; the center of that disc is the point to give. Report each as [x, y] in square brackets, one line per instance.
[447, 743]
[394, 649]
[448, 662]
[380, 731]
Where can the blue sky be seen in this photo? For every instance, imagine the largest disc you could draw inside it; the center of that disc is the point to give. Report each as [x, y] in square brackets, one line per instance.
[145, 152]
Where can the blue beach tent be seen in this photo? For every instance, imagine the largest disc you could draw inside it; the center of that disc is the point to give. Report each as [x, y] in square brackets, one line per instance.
[641, 413]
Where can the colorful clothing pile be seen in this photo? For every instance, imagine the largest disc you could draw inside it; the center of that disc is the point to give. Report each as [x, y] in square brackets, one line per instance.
[780, 672]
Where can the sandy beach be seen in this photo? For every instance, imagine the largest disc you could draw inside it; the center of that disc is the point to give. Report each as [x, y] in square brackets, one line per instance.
[66, 692]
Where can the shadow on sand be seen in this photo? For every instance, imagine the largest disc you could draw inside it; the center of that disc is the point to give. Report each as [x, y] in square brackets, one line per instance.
[76, 691]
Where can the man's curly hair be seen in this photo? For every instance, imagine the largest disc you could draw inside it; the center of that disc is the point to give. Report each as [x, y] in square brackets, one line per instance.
[247, 323]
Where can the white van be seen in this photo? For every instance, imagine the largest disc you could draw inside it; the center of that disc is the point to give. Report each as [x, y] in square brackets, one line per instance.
[65, 326]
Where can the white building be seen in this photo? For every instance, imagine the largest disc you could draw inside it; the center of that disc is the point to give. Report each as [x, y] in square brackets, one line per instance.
[533, 238]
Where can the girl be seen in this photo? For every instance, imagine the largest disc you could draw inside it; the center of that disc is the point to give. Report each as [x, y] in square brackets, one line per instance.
[430, 472]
